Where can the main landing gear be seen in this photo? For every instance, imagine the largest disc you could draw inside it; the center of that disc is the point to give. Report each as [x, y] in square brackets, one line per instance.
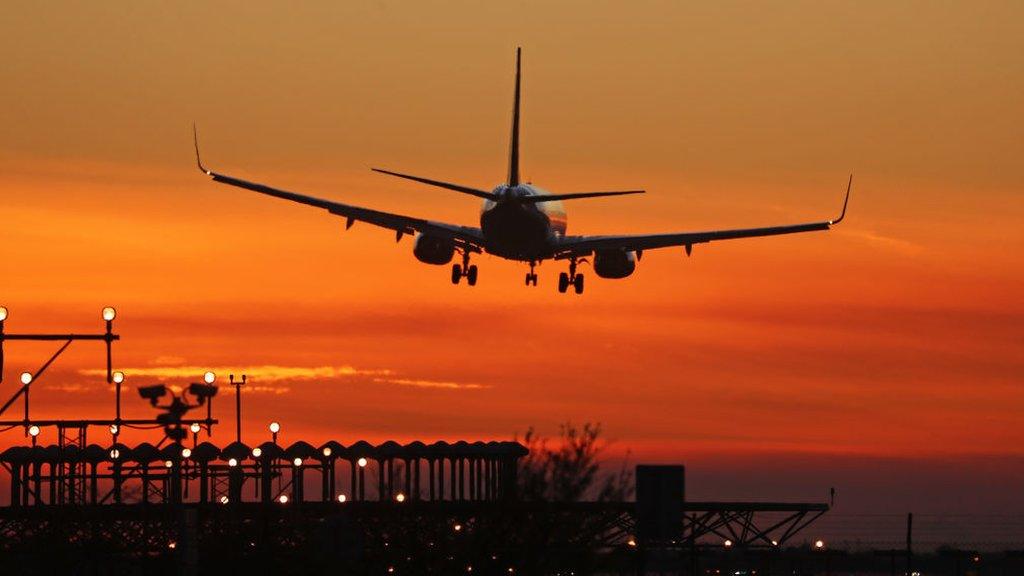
[531, 276]
[467, 270]
[576, 280]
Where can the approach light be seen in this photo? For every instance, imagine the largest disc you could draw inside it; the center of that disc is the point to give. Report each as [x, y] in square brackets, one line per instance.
[727, 543]
[3, 313]
[117, 377]
[109, 313]
[457, 527]
[342, 498]
[152, 393]
[114, 429]
[274, 427]
[33, 430]
[195, 427]
[297, 461]
[775, 543]
[26, 378]
[361, 462]
[631, 542]
[168, 463]
[819, 544]
[115, 454]
[400, 498]
[256, 452]
[283, 499]
[224, 500]
[232, 462]
[209, 377]
[186, 453]
[327, 451]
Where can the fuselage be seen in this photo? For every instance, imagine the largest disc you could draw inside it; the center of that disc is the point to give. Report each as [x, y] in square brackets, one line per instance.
[521, 230]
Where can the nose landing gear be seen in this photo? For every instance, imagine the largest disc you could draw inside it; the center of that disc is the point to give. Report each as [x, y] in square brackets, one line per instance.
[466, 270]
[531, 277]
[572, 278]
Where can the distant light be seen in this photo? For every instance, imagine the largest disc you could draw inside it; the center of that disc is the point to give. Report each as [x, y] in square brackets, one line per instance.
[327, 451]
[511, 569]
[819, 543]
[631, 542]
[168, 463]
[275, 427]
[3, 313]
[26, 378]
[186, 453]
[391, 569]
[256, 452]
[195, 427]
[115, 454]
[232, 462]
[172, 545]
[209, 377]
[297, 461]
[342, 498]
[977, 558]
[33, 430]
[400, 497]
[728, 543]
[774, 543]
[114, 429]
[361, 462]
[469, 568]
[109, 313]
[283, 499]
[118, 377]
[224, 500]
[457, 527]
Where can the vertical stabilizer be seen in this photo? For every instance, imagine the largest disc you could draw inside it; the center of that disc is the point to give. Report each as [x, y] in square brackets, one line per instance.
[513, 153]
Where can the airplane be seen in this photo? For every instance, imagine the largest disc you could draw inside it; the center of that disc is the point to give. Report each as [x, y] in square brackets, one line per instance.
[519, 221]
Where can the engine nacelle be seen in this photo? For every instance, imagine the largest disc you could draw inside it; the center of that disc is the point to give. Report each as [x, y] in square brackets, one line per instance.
[433, 250]
[614, 263]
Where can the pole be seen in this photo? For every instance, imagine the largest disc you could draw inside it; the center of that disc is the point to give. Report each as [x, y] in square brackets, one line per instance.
[238, 404]
[910, 551]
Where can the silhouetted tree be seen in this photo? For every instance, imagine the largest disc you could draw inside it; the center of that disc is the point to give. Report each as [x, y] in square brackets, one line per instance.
[571, 470]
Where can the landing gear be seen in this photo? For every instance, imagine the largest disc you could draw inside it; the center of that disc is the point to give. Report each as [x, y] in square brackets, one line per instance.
[531, 277]
[465, 269]
[576, 280]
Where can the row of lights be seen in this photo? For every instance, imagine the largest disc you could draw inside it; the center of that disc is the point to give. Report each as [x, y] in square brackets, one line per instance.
[108, 313]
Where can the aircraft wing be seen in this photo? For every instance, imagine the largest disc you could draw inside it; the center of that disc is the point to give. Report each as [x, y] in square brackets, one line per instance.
[570, 246]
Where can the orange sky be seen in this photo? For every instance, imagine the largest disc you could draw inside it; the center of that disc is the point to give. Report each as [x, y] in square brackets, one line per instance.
[897, 334]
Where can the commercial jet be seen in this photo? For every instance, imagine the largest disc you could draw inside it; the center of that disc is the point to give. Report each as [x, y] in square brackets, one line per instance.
[519, 221]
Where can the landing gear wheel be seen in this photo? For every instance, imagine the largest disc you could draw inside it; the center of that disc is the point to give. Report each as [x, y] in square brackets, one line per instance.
[471, 275]
[563, 282]
[577, 283]
[456, 274]
[531, 279]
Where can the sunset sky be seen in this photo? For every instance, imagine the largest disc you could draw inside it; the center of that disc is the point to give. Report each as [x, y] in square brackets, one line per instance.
[849, 358]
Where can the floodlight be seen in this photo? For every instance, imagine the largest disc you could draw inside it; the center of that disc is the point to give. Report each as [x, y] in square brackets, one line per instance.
[195, 427]
[209, 377]
[33, 430]
[232, 462]
[152, 393]
[26, 378]
[256, 452]
[327, 451]
[117, 377]
[275, 427]
[3, 313]
[297, 461]
[114, 429]
[186, 453]
[109, 313]
[361, 462]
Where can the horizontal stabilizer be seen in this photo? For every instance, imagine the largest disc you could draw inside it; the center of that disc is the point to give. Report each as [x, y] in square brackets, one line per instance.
[575, 196]
[464, 189]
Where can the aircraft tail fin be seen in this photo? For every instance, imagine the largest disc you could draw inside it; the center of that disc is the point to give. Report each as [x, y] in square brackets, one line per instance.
[456, 187]
[513, 152]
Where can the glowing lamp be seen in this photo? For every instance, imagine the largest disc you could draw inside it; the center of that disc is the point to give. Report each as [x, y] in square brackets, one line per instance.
[283, 499]
[232, 462]
[297, 461]
[33, 430]
[727, 543]
[168, 463]
[115, 454]
[361, 462]
[256, 452]
[274, 427]
[819, 543]
[224, 500]
[117, 377]
[109, 313]
[26, 378]
[209, 377]
[342, 498]
[186, 453]
[457, 527]
[114, 429]
[327, 452]
[195, 427]
[631, 542]
[400, 497]
[3, 313]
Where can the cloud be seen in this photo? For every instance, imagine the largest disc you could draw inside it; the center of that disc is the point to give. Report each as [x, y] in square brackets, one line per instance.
[904, 247]
[430, 384]
[264, 373]
[167, 361]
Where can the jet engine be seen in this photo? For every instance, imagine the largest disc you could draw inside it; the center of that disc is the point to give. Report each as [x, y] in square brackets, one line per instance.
[433, 250]
[614, 263]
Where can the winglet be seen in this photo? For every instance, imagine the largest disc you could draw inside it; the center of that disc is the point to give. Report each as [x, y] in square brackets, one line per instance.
[195, 140]
[845, 202]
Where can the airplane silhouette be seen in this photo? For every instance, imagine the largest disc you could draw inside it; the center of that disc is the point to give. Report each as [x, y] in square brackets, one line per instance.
[519, 221]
